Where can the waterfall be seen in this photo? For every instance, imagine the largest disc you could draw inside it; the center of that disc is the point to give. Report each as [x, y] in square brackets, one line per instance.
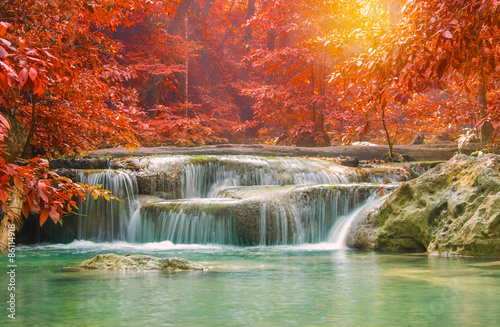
[338, 233]
[193, 221]
[234, 200]
[102, 220]
[292, 215]
[200, 177]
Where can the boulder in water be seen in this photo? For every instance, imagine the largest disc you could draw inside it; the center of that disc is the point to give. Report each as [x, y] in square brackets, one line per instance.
[112, 261]
[453, 209]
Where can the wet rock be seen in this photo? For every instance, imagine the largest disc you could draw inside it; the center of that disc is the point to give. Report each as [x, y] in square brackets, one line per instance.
[453, 209]
[68, 173]
[166, 185]
[346, 161]
[79, 163]
[363, 232]
[396, 157]
[111, 261]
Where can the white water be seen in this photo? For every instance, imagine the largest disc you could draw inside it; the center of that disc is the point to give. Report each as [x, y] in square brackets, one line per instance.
[338, 234]
[108, 220]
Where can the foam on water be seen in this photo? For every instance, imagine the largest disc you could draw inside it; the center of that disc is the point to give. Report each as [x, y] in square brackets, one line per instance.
[89, 246]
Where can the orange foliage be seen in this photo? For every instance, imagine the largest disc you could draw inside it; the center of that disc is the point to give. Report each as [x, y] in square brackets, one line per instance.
[39, 188]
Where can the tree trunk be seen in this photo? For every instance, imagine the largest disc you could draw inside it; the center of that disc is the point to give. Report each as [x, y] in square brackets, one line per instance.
[151, 94]
[207, 8]
[16, 139]
[486, 127]
[16, 205]
[250, 13]
[178, 21]
[388, 137]
[175, 28]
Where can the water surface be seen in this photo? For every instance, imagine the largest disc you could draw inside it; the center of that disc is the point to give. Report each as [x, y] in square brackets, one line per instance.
[304, 285]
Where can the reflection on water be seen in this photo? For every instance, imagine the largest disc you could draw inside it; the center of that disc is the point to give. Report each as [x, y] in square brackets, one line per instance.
[306, 285]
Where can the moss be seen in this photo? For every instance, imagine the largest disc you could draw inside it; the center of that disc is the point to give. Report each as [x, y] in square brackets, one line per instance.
[201, 160]
[482, 247]
[403, 244]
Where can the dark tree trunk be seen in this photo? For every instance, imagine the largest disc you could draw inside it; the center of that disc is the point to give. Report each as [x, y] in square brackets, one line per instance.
[151, 94]
[486, 128]
[175, 28]
[388, 137]
[207, 8]
[178, 21]
[250, 12]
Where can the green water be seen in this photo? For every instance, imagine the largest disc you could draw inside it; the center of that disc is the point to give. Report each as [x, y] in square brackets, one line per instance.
[262, 286]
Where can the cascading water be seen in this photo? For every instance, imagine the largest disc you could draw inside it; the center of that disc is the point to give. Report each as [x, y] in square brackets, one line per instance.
[200, 221]
[103, 220]
[237, 200]
[338, 233]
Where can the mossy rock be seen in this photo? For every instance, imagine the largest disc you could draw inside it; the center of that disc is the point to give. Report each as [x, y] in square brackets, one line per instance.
[453, 209]
[112, 261]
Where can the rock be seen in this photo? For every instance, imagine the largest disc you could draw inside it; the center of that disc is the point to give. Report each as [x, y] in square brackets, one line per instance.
[70, 173]
[363, 231]
[346, 161]
[396, 157]
[453, 209]
[79, 163]
[419, 139]
[111, 261]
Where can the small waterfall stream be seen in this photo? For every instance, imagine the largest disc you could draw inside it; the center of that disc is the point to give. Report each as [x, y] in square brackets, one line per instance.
[234, 200]
[102, 220]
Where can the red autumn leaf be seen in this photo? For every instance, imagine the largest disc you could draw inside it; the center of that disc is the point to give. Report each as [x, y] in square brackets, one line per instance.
[38, 89]
[3, 82]
[44, 216]
[42, 189]
[3, 52]
[33, 73]
[22, 43]
[22, 77]
[4, 195]
[18, 182]
[26, 209]
[11, 170]
[4, 27]
[54, 214]
[4, 122]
